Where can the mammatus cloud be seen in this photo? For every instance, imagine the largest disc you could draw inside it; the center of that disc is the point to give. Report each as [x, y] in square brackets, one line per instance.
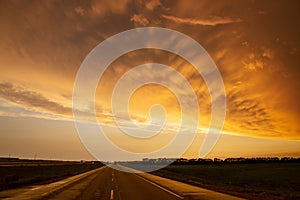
[204, 22]
[255, 116]
[259, 60]
[254, 66]
[79, 10]
[139, 19]
[50, 44]
[151, 5]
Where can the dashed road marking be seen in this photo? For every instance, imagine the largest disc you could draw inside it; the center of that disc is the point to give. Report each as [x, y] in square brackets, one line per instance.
[111, 194]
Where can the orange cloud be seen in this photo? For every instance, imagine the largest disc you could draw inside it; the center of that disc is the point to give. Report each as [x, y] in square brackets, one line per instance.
[43, 50]
[204, 22]
[31, 99]
[139, 19]
[151, 5]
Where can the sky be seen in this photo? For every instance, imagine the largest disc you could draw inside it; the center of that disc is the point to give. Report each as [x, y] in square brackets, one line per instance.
[255, 45]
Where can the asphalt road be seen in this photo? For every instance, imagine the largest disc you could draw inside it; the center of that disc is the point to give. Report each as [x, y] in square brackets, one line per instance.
[113, 184]
[106, 183]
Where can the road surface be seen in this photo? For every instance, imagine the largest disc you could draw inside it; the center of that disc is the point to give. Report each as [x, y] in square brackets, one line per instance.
[110, 184]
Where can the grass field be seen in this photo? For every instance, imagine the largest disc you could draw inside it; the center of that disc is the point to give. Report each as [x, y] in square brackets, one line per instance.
[31, 174]
[252, 181]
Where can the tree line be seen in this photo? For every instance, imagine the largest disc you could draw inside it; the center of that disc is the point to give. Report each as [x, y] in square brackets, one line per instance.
[182, 161]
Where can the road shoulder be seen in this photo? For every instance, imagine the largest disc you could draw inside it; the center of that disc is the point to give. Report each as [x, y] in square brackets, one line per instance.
[43, 191]
[182, 189]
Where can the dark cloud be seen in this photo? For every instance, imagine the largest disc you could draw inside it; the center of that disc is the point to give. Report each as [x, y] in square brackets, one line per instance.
[31, 99]
[261, 52]
[54, 37]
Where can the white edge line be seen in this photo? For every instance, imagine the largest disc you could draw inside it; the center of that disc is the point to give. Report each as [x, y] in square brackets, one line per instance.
[159, 186]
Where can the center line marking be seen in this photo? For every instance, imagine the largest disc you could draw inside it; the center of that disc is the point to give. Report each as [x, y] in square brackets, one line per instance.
[111, 194]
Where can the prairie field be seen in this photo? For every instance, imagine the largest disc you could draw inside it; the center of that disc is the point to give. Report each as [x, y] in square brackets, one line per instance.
[252, 181]
[21, 174]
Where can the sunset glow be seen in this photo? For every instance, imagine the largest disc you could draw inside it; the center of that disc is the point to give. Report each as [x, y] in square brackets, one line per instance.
[255, 45]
